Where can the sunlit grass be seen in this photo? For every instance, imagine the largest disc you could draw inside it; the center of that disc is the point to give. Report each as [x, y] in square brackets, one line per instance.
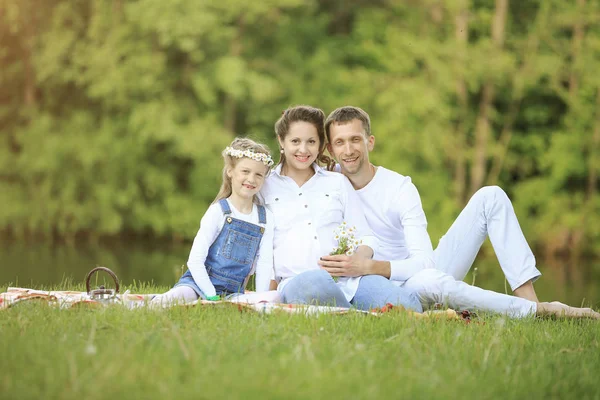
[224, 353]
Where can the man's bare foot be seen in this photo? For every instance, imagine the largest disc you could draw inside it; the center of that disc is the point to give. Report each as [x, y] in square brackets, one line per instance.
[561, 310]
[526, 291]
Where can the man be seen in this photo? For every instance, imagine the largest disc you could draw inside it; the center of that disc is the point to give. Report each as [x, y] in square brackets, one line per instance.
[406, 257]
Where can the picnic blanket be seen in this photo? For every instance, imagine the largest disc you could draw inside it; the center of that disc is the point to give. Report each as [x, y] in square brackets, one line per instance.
[71, 299]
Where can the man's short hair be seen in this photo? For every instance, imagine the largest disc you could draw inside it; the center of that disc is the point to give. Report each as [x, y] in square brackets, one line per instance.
[347, 114]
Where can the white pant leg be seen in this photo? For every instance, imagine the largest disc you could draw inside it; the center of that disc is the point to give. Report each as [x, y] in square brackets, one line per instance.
[433, 286]
[489, 212]
[178, 295]
[271, 296]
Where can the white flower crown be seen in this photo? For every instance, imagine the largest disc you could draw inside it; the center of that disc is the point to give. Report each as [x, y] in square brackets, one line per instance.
[262, 157]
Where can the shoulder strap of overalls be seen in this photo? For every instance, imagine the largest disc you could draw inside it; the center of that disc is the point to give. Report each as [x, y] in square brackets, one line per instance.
[262, 214]
[225, 206]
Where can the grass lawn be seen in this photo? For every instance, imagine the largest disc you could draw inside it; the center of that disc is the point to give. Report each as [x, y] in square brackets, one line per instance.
[214, 353]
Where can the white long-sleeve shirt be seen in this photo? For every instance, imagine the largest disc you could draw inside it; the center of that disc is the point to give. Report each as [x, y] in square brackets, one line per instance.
[393, 209]
[210, 226]
[305, 218]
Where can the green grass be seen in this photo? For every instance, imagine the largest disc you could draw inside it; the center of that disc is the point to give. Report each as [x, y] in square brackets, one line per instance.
[204, 353]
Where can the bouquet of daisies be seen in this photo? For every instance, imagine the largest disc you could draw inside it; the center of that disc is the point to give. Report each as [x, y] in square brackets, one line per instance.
[346, 241]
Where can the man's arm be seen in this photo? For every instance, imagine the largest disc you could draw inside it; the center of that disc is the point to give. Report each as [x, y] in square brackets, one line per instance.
[411, 217]
[420, 251]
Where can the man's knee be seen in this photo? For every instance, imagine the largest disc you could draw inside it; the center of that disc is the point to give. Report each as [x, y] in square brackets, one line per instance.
[491, 193]
[490, 197]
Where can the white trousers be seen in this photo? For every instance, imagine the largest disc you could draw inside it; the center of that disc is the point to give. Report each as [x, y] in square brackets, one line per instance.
[488, 213]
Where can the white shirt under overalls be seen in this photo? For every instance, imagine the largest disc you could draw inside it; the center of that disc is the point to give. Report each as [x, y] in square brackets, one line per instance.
[305, 220]
[210, 226]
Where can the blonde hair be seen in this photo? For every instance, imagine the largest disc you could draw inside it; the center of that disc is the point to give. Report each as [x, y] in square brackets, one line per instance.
[312, 115]
[231, 161]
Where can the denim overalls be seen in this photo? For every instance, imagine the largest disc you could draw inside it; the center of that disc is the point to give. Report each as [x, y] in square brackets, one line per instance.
[231, 255]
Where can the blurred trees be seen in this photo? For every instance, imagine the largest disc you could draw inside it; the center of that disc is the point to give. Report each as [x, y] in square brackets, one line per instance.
[113, 113]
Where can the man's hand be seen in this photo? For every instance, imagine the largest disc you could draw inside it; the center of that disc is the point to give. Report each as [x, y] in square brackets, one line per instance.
[343, 265]
[355, 265]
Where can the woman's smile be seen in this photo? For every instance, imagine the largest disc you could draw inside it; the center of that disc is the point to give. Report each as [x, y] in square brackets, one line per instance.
[302, 159]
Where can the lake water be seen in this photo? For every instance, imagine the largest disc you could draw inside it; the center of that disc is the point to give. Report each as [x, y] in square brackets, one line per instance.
[43, 266]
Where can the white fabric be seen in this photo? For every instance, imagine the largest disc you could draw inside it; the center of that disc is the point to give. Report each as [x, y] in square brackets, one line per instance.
[305, 218]
[488, 213]
[272, 296]
[185, 294]
[395, 215]
[210, 227]
[177, 295]
[433, 286]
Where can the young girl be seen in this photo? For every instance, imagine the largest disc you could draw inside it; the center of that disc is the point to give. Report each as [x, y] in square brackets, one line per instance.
[308, 203]
[236, 233]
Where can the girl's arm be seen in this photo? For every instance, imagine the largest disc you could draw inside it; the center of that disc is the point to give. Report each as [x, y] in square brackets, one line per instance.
[208, 232]
[264, 263]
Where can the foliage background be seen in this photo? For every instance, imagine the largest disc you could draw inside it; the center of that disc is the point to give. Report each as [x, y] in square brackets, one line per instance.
[113, 113]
